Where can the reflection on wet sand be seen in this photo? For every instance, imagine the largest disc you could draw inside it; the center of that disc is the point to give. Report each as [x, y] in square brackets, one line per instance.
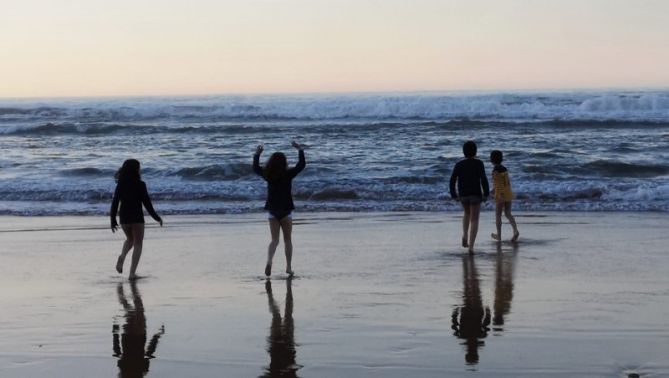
[504, 271]
[133, 360]
[471, 320]
[281, 339]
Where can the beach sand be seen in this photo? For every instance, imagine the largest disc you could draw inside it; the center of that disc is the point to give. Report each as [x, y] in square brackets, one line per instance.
[375, 295]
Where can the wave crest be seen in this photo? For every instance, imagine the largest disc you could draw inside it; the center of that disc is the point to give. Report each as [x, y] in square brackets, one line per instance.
[216, 172]
[628, 106]
[621, 169]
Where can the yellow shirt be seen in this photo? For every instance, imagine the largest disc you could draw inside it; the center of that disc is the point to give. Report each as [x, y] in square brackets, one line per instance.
[502, 185]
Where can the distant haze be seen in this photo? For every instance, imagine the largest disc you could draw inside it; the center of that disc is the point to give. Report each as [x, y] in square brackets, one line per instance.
[165, 47]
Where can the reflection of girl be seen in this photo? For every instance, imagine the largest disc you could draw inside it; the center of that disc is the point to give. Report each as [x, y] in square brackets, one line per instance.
[133, 360]
[131, 192]
[279, 202]
[281, 340]
[504, 270]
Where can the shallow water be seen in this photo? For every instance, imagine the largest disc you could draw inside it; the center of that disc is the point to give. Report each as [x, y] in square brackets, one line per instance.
[377, 294]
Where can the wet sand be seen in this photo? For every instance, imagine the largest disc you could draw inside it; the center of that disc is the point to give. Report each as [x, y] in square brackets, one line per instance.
[375, 295]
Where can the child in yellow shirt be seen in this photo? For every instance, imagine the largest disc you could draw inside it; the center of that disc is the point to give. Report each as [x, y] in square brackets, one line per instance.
[503, 195]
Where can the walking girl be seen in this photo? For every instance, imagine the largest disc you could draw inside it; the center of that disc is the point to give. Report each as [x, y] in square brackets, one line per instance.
[503, 195]
[131, 192]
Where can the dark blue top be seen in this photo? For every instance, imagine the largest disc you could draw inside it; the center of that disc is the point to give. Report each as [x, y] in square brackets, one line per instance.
[279, 191]
[132, 194]
[470, 176]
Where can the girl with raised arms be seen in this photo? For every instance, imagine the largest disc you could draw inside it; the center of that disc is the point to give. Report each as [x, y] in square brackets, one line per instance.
[279, 204]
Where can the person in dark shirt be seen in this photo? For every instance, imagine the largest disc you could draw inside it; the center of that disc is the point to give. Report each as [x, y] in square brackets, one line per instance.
[472, 189]
[131, 192]
[279, 202]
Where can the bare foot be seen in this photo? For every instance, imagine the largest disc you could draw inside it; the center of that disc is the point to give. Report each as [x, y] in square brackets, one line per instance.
[119, 264]
[290, 272]
[268, 270]
[515, 236]
[471, 251]
[495, 236]
[133, 277]
[464, 243]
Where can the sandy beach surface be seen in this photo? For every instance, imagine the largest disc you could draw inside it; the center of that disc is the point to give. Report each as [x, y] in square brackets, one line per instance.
[375, 295]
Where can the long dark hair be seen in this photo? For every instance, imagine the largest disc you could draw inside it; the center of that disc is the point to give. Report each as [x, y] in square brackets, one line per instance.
[129, 171]
[276, 166]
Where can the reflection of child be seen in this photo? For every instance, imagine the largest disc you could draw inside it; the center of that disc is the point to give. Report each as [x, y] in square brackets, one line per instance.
[503, 195]
[133, 360]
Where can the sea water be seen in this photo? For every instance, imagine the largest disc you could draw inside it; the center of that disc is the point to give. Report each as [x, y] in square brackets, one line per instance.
[567, 151]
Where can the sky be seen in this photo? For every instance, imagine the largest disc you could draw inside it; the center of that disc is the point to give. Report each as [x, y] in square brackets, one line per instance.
[54, 48]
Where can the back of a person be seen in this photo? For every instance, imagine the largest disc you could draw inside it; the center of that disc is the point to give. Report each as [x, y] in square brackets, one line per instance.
[502, 184]
[131, 195]
[472, 189]
[279, 202]
[279, 193]
[503, 195]
[469, 177]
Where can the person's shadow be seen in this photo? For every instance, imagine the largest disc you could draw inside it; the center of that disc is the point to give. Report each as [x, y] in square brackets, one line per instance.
[133, 359]
[281, 340]
[470, 322]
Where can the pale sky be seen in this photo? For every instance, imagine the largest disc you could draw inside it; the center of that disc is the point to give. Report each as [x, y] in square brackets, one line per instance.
[169, 47]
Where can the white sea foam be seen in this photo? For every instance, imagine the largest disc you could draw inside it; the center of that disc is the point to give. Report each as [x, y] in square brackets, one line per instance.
[642, 106]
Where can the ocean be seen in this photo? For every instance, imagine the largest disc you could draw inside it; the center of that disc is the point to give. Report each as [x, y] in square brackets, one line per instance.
[565, 151]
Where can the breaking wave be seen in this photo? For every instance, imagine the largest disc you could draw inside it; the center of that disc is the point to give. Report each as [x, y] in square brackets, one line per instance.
[624, 106]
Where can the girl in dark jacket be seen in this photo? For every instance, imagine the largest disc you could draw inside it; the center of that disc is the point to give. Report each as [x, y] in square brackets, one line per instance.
[279, 202]
[131, 192]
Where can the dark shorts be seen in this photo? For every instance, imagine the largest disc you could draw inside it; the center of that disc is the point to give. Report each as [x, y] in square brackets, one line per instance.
[278, 215]
[470, 200]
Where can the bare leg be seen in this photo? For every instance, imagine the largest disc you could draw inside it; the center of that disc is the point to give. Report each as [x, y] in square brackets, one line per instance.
[138, 242]
[474, 210]
[287, 227]
[512, 220]
[127, 245]
[499, 207]
[274, 227]
[465, 225]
